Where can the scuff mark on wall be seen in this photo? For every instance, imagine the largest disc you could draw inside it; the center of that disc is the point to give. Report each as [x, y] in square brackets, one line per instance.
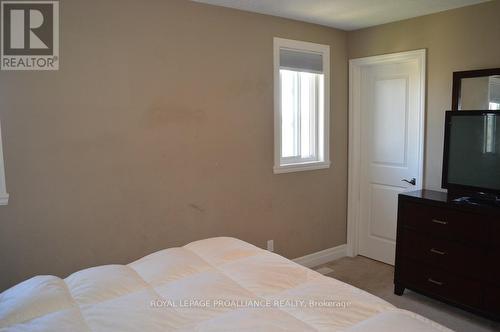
[196, 207]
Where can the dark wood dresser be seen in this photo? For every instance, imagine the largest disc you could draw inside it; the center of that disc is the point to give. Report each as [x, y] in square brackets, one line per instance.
[449, 251]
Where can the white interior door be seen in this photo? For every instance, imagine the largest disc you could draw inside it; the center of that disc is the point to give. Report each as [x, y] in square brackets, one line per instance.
[390, 149]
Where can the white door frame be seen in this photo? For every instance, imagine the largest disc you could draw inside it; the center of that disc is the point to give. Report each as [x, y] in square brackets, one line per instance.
[353, 195]
[4, 196]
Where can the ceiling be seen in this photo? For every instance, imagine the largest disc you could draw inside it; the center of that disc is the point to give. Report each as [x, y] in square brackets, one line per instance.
[344, 14]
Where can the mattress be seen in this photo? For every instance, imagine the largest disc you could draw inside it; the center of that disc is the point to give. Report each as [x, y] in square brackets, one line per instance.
[217, 284]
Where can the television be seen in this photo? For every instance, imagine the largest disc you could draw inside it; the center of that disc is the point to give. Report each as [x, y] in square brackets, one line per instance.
[471, 159]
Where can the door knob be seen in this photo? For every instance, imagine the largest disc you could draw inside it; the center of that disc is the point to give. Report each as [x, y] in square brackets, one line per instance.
[412, 181]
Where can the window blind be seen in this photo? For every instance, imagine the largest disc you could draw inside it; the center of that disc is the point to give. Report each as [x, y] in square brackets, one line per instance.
[301, 61]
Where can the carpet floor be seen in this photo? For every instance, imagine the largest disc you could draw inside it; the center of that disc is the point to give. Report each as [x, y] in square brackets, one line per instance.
[377, 278]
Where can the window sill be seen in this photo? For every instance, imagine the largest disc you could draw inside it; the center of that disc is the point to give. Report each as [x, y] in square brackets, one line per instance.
[310, 166]
[4, 199]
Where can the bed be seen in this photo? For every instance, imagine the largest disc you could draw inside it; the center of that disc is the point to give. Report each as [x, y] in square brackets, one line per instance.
[217, 284]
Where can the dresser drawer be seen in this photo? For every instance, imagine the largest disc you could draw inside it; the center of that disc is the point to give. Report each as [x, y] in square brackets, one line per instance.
[494, 233]
[440, 283]
[443, 222]
[452, 256]
[492, 256]
[492, 266]
[492, 300]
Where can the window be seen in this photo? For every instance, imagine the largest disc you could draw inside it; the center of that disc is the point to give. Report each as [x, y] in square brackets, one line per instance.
[301, 106]
[494, 93]
[490, 133]
[4, 197]
[494, 106]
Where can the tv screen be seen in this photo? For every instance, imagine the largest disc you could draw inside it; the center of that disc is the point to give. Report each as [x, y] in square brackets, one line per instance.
[472, 150]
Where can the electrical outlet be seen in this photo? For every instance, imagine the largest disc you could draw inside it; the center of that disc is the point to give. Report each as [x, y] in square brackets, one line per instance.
[270, 245]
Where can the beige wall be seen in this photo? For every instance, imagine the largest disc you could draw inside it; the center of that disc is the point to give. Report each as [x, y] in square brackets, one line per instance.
[157, 131]
[461, 39]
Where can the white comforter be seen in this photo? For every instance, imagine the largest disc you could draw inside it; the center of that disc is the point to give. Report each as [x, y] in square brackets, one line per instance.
[219, 284]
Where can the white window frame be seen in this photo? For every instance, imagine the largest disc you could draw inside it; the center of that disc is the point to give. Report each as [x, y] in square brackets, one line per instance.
[4, 197]
[323, 160]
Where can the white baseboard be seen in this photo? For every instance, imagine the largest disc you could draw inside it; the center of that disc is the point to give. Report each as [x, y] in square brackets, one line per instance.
[322, 257]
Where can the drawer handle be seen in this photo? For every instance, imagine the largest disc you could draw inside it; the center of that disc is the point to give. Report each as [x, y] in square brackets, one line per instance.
[435, 282]
[439, 252]
[441, 222]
